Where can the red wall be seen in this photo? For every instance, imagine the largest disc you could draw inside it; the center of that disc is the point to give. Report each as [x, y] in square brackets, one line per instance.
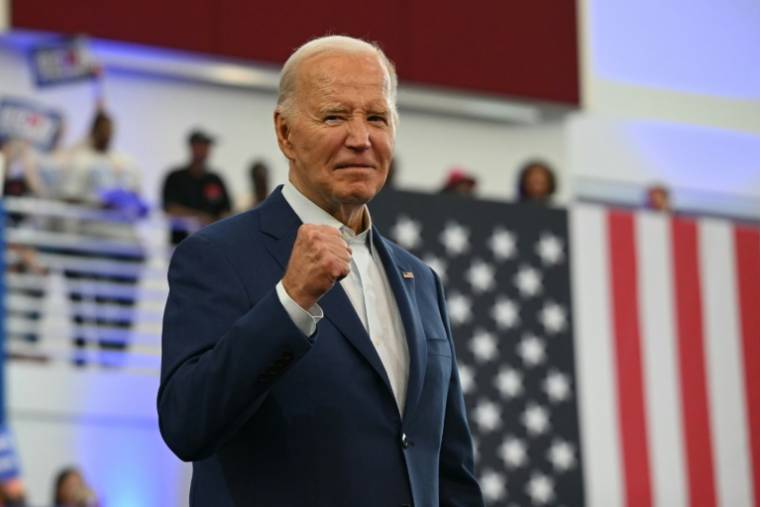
[523, 49]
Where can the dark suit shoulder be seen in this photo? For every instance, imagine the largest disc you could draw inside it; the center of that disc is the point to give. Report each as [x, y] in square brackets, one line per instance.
[230, 231]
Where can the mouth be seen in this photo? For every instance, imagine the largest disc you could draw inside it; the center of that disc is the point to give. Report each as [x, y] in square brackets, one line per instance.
[354, 165]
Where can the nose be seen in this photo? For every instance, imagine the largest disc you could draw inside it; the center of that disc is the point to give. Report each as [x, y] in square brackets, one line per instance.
[357, 137]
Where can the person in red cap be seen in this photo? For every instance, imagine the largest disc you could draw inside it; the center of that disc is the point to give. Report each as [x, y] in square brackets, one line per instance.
[459, 181]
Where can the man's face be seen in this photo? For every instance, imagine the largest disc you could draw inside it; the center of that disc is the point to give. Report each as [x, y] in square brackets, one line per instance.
[200, 151]
[340, 135]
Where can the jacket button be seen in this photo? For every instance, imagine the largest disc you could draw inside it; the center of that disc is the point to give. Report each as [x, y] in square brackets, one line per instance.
[404, 441]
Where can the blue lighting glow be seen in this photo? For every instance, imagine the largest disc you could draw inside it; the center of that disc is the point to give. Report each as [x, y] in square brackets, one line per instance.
[128, 466]
[692, 46]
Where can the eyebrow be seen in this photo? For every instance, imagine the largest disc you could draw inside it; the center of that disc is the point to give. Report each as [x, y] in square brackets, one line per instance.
[333, 109]
[375, 108]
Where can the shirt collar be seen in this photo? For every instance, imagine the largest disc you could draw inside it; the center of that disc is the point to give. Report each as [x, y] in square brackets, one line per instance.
[309, 213]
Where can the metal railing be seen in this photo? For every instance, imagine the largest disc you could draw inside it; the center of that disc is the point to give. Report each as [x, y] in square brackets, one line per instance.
[83, 286]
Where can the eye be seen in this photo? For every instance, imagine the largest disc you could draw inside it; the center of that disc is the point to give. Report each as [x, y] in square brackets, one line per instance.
[378, 118]
[332, 119]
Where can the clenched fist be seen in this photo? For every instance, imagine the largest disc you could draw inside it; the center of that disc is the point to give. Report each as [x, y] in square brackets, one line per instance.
[320, 257]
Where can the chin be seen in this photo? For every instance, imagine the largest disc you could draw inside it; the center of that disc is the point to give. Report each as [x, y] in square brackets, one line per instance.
[359, 193]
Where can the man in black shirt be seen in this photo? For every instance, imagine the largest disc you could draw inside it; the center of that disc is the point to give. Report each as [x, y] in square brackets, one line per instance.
[194, 196]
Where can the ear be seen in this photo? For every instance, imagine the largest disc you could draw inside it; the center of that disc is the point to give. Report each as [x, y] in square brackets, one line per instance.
[282, 130]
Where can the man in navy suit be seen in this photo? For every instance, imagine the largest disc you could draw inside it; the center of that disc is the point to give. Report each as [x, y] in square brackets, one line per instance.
[307, 360]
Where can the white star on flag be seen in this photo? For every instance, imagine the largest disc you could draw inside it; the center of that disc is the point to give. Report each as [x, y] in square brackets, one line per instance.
[438, 265]
[487, 416]
[466, 378]
[531, 349]
[553, 317]
[561, 455]
[549, 248]
[502, 244]
[505, 313]
[540, 489]
[455, 238]
[481, 276]
[528, 281]
[509, 382]
[407, 232]
[483, 346]
[557, 386]
[512, 451]
[493, 485]
[535, 419]
[460, 308]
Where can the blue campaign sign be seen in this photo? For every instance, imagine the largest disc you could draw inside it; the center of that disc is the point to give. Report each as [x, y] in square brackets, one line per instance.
[62, 61]
[29, 121]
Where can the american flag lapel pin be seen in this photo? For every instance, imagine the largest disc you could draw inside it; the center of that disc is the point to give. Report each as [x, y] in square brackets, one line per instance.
[407, 275]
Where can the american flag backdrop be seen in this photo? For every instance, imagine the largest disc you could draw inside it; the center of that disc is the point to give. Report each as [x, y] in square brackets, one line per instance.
[608, 358]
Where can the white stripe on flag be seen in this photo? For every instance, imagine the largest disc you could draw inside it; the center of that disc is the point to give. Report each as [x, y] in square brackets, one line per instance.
[660, 359]
[724, 364]
[594, 358]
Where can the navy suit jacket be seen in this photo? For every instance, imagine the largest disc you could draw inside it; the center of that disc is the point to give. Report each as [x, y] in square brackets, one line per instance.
[271, 417]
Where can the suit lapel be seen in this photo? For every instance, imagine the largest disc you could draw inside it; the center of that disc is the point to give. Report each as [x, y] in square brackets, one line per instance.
[339, 310]
[404, 292]
[280, 223]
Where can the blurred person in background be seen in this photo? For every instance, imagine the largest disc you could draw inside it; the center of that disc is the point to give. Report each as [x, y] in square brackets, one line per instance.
[536, 183]
[259, 174]
[71, 490]
[658, 198]
[98, 179]
[21, 178]
[460, 182]
[12, 491]
[94, 174]
[193, 195]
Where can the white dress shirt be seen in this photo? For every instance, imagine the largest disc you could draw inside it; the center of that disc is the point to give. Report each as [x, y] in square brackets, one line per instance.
[367, 288]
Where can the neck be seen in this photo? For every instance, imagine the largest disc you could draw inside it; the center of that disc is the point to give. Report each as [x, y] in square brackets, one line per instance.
[349, 214]
[353, 216]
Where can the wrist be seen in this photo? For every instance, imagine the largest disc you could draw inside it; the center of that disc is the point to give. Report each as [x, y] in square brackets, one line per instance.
[301, 299]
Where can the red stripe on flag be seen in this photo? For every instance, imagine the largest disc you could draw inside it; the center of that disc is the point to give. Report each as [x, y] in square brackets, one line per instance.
[691, 357]
[630, 378]
[747, 243]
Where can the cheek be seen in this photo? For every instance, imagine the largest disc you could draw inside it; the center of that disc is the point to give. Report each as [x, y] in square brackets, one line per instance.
[384, 145]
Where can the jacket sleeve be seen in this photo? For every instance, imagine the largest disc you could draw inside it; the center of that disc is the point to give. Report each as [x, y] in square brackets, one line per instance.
[221, 350]
[458, 486]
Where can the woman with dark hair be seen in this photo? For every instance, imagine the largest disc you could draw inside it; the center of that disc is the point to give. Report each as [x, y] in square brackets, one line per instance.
[71, 490]
[536, 183]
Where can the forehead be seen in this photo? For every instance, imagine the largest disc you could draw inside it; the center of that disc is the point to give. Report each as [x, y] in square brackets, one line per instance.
[343, 76]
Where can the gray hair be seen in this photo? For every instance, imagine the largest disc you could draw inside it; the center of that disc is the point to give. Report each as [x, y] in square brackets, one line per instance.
[330, 43]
